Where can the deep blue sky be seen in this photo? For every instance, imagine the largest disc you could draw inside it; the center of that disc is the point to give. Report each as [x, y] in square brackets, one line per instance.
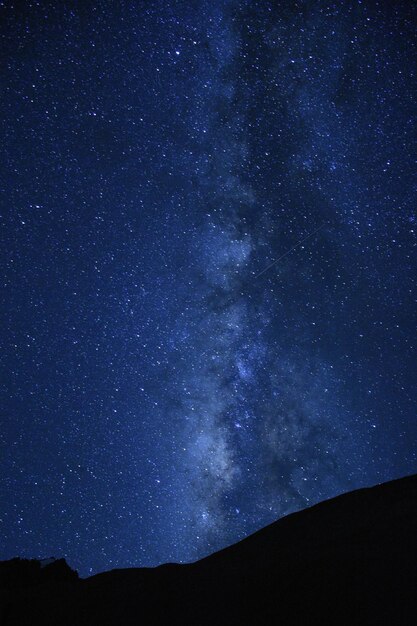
[162, 396]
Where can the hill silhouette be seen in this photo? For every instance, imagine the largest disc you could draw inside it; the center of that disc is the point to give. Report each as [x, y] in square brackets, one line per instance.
[348, 561]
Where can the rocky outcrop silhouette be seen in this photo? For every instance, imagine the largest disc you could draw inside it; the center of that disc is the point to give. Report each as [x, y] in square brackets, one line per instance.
[25, 573]
[351, 560]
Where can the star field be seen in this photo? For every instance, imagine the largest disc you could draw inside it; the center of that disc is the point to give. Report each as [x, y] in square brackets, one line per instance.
[208, 252]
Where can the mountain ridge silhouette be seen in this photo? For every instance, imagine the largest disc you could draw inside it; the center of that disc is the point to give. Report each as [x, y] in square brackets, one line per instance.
[348, 560]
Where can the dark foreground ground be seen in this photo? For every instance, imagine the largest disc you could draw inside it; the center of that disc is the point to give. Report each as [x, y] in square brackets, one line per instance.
[348, 561]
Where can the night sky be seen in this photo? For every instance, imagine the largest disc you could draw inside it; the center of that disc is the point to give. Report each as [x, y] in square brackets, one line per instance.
[208, 253]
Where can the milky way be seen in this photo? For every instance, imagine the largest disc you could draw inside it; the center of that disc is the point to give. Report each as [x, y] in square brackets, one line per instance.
[209, 257]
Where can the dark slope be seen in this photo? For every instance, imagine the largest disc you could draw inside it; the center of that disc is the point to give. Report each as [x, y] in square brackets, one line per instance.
[351, 560]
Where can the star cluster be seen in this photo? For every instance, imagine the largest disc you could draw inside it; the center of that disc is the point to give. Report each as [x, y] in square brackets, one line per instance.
[208, 265]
